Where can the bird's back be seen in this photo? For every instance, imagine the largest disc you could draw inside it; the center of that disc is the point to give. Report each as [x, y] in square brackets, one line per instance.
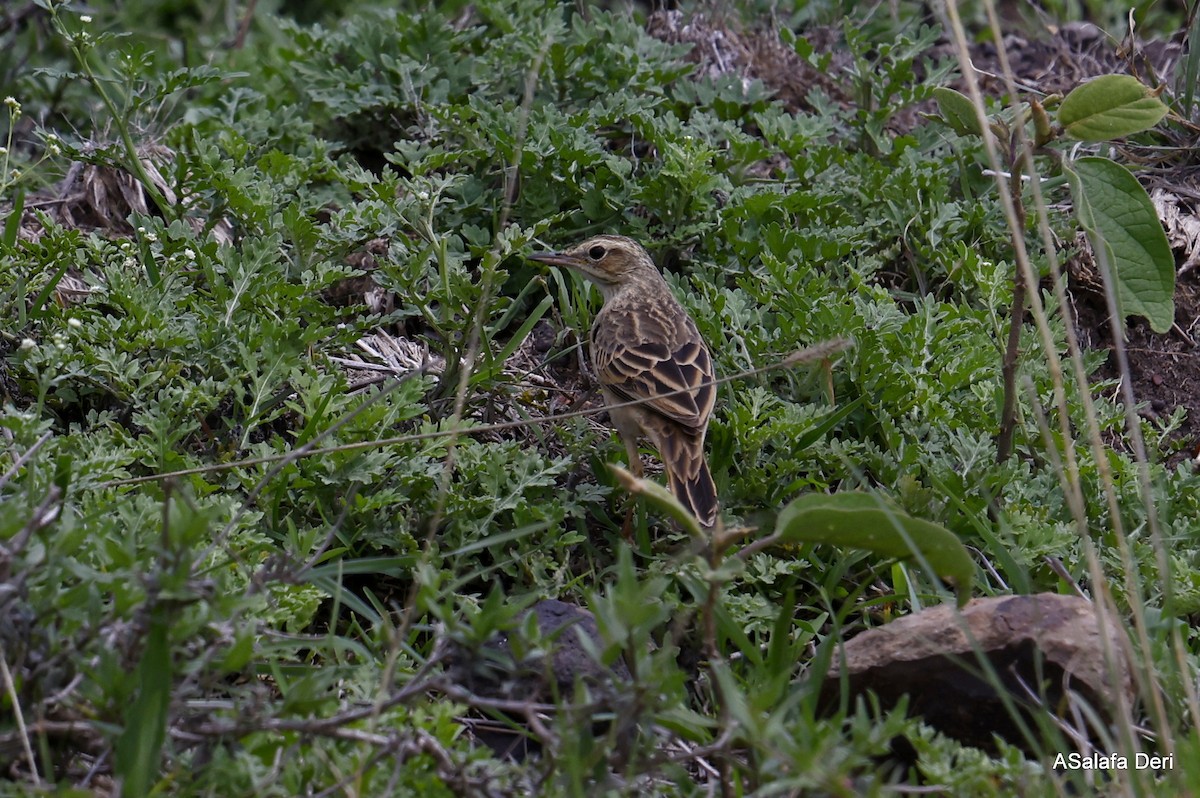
[644, 345]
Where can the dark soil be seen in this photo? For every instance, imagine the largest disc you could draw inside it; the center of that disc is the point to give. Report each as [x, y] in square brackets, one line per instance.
[1164, 369]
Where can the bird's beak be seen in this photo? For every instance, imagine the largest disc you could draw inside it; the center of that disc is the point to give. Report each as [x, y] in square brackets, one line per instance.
[557, 259]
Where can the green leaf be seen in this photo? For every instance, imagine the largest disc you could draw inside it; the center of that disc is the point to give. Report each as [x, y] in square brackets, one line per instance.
[782, 651]
[374, 566]
[1123, 226]
[659, 496]
[1187, 77]
[686, 722]
[238, 655]
[826, 424]
[1109, 107]
[517, 339]
[139, 749]
[868, 521]
[37, 308]
[12, 225]
[958, 112]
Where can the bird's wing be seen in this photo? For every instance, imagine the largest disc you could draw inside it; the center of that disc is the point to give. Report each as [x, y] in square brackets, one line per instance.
[651, 353]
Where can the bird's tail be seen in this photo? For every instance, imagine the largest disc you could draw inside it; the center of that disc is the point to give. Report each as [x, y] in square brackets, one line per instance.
[689, 478]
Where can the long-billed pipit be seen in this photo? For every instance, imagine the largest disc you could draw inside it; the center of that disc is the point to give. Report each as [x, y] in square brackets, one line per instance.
[645, 346]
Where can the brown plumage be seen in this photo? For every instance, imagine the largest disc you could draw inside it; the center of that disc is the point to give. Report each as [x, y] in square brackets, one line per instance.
[645, 346]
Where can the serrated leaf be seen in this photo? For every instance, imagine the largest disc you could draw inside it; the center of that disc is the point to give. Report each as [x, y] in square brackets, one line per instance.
[957, 111]
[867, 521]
[1109, 107]
[1121, 223]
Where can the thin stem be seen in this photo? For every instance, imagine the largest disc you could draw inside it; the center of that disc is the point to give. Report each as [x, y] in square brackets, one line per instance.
[119, 118]
[11, 689]
[1012, 354]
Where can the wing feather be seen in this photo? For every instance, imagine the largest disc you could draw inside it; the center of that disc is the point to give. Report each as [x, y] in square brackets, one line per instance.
[651, 350]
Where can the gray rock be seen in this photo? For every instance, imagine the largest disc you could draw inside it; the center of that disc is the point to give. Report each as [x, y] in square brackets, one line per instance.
[495, 671]
[1042, 648]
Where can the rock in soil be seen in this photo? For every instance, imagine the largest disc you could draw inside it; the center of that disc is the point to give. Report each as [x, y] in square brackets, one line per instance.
[1045, 649]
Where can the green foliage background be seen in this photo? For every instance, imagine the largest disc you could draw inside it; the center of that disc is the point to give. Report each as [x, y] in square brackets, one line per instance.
[467, 136]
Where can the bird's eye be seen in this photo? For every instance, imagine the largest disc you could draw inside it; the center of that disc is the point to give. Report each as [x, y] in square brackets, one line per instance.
[596, 252]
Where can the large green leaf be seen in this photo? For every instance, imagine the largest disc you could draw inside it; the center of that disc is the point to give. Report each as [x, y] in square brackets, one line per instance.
[1109, 107]
[1123, 226]
[868, 521]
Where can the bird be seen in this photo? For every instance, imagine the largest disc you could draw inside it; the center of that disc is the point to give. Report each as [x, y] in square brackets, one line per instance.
[645, 346]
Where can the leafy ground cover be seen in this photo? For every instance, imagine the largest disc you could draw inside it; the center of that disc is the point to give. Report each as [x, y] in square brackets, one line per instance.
[277, 374]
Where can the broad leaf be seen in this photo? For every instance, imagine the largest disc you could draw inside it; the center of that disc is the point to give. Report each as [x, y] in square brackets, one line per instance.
[867, 521]
[1123, 226]
[1109, 107]
[958, 112]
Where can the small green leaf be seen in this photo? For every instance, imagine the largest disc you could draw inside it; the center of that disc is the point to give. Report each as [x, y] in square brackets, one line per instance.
[12, 225]
[1187, 76]
[238, 655]
[517, 339]
[1121, 223]
[957, 111]
[867, 521]
[37, 308]
[1109, 107]
[139, 749]
[659, 496]
[826, 424]
[782, 651]
[687, 723]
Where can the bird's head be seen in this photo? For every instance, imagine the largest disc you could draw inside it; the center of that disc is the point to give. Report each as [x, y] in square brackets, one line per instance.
[609, 261]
